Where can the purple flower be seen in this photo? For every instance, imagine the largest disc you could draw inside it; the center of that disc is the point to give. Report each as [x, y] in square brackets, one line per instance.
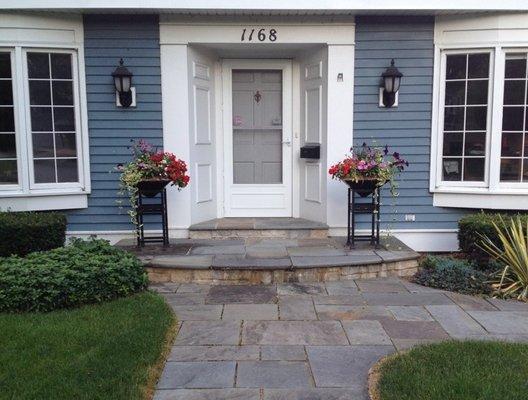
[386, 150]
[396, 155]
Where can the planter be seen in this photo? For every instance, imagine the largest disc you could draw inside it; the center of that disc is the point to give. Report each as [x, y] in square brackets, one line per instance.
[364, 187]
[152, 187]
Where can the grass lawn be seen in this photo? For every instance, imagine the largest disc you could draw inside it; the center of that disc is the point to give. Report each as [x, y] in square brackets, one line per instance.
[106, 351]
[457, 371]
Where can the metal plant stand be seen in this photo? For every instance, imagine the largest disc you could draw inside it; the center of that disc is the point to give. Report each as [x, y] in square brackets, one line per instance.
[152, 208]
[371, 206]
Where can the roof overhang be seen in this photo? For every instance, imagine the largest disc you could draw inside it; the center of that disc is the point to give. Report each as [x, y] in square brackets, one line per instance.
[269, 7]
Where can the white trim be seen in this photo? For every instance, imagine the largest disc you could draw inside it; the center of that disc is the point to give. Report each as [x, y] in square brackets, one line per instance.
[46, 202]
[498, 34]
[232, 6]
[53, 34]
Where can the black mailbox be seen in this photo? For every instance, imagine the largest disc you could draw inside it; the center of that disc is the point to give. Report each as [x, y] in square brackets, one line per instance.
[311, 151]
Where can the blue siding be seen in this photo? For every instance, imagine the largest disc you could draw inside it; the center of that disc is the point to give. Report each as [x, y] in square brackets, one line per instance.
[107, 38]
[407, 128]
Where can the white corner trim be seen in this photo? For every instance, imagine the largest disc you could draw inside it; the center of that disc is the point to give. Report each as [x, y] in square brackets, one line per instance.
[493, 201]
[41, 203]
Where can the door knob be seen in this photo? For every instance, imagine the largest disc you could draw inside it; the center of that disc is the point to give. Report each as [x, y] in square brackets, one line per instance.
[288, 142]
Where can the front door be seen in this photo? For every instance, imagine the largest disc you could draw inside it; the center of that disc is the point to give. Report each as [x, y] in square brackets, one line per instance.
[258, 150]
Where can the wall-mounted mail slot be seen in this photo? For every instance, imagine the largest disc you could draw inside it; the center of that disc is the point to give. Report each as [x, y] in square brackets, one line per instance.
[311, 151]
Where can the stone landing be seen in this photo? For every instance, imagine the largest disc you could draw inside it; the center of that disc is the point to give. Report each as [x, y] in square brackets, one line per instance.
[235, 228]
[273, 260]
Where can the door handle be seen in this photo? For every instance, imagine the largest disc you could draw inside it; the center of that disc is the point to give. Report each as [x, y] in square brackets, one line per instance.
[287, 142]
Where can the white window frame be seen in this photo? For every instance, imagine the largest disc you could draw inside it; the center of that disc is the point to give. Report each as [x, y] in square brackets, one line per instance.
[493, 186]
[26, 186]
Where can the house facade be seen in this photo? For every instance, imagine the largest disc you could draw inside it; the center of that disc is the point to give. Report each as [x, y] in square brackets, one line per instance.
[237, 90]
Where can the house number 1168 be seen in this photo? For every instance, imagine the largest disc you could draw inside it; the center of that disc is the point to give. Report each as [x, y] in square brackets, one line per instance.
[261, 35]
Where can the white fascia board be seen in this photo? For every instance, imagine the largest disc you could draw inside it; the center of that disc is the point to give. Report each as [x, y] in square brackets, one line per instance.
[269, 5]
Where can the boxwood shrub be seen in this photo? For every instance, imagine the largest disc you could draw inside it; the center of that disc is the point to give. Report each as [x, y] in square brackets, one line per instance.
[24, 232]
[83, 272]
[472, 226]
[452, 274]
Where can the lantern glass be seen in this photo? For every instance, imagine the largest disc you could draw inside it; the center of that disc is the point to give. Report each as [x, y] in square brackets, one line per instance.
[389, 84]
[118, 82]
[396, 84]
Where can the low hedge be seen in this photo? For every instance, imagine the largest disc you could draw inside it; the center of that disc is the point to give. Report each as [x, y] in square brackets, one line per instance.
[451, 274]
[81, 273]
[471, 227]
[24, 232]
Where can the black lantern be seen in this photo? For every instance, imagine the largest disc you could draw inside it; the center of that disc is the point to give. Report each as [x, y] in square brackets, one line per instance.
[391, 80]
[123, 84]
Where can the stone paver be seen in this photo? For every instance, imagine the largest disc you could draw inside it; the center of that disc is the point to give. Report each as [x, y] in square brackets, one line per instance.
[214, 353]
[273, 374]
[338, 366]
[197, 375]
[294, 333]
[283, 353]
[306, 341]
[208, 333]
[251, 312]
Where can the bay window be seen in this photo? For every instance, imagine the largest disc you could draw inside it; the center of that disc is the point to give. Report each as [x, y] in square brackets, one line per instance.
[40, 122]
[481, 127]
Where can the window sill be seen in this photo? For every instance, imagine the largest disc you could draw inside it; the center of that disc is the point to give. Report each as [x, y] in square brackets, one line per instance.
[43, 201]
[501, 200]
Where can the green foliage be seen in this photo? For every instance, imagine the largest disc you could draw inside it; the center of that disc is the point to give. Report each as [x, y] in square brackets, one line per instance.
[24, 232]
[472, 228]
[84, 272]
[451, 274]
[470, 370]
[513, 253]
[103, 351]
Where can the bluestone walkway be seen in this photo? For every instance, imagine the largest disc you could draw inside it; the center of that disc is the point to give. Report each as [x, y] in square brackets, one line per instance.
[313, 341]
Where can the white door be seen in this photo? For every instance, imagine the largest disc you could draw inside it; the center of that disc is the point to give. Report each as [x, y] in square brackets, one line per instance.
[313, 173]
[257, 129]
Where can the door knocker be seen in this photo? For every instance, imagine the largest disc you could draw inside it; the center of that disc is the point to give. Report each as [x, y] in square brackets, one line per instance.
[257, 96]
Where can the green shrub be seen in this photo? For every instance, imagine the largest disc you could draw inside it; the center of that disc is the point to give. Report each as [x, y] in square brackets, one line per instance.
[472, 227]
[22, 233]
[84, 272]
[451, 274]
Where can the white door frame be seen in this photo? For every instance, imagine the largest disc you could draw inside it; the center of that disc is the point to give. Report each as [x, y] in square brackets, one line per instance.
[272, 190]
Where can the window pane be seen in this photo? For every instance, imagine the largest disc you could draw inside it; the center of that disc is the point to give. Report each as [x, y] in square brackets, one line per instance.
[456, 67]
[478, 65]
[5, 65]
[67, 170]
[476, 118]
[455, 93]
[525, 170]
[474, 169]
[511, 144]
[7, 146]
[38, 65]
[475, 144]
[65, 144]
[452, 168]
[43, 145]
[453, 144]
[454, 119]
[514, 92]
[6, 93]
[41, 119]
[516, 68]
[39, 93]
[477, 92]
[62, 93]
[510, 170]
[512, 118]
[44, 171]
[64, 118]
[7, 119]
[8, 172]
[61, 66]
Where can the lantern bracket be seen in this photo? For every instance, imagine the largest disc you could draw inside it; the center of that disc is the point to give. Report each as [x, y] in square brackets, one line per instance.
[132, 100]
[383, 100]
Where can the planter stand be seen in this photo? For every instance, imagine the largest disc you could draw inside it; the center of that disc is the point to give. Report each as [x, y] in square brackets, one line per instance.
[151, 208]
[355, 207]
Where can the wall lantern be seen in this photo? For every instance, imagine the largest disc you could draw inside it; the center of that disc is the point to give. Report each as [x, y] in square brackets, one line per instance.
[390, 85]
[126, 94]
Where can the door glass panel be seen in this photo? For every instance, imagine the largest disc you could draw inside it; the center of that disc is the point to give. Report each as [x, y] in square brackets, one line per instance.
[257, 127]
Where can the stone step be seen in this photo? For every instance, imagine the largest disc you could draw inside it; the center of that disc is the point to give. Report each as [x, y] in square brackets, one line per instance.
[243, 228]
